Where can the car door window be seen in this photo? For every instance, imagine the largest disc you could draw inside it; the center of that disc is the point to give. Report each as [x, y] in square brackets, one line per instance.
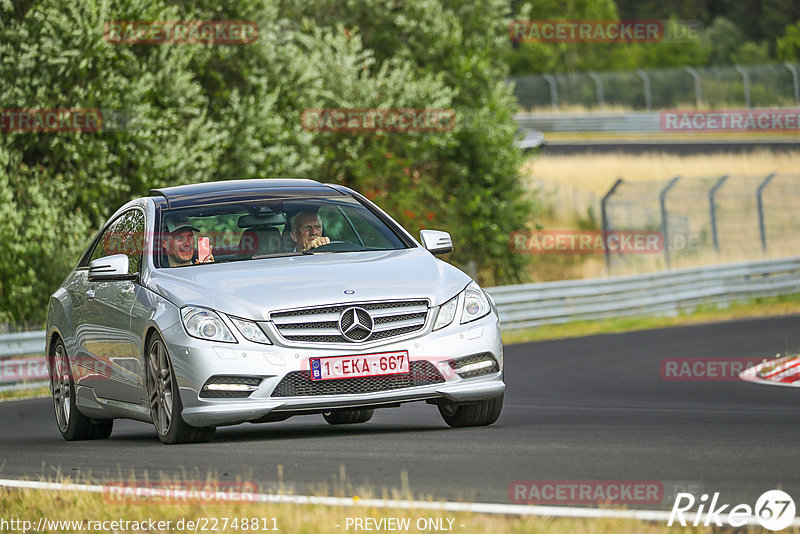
[336, 226]
[371, 234]
[124, 236]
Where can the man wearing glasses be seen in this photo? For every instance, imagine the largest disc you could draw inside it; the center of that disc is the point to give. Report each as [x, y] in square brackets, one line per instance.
[307, 231]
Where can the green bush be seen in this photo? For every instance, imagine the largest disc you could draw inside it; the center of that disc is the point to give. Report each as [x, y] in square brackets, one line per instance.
[177, 114]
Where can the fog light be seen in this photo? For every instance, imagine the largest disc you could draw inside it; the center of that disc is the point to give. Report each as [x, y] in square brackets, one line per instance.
[480, 364]
[474, 366]
[221, 387]
[230, 387]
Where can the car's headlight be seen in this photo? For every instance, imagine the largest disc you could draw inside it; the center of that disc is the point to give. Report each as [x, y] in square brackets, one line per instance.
[476, 305]
[250, 330]
[203, 323]
[447, 313]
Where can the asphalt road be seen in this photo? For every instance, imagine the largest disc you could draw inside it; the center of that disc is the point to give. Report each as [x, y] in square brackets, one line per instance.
[593, 408]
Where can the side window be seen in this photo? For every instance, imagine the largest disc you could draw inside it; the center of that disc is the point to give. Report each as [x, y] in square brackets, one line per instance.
[124, 236]
[336, 226]
[371, 236]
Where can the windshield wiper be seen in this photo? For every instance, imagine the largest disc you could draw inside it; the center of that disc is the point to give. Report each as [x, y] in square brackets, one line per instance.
[281, 255]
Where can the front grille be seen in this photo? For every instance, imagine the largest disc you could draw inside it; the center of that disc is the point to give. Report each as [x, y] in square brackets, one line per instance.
[321, 324]
[299, 383]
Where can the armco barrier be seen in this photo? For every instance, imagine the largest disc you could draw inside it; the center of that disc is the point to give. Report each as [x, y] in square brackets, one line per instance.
[529, 305]
[662, 293]
[22, 373]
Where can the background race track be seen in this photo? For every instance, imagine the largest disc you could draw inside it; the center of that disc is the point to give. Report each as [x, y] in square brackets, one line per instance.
[583, 409]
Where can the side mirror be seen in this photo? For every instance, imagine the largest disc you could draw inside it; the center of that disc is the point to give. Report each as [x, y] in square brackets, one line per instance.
[436, 242]
[113, 267]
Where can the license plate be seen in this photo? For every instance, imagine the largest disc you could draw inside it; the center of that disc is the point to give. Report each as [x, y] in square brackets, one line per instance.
[385, 363]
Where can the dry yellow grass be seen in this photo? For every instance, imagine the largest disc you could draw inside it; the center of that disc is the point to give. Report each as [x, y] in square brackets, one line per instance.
[596, 173]
[31, 505]
[573, 186]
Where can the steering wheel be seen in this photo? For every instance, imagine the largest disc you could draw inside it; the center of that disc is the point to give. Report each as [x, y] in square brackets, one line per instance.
[335, 246]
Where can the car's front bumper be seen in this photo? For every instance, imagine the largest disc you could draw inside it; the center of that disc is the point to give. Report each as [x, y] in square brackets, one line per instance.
[195, 361]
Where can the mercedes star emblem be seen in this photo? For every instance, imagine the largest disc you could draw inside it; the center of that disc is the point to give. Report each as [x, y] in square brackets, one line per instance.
[356, 324]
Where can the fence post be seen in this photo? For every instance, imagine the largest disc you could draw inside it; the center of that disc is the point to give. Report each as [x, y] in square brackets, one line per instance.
[713, 211]
[553, 83]
[648, 92]
[662, 199]
[762, 229]
[604, 219]
[598, 85]
[746, 81]
[795, 81]
[698, 89]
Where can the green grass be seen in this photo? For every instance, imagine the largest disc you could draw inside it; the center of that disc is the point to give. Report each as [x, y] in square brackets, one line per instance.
[32, 393]
[760, 307]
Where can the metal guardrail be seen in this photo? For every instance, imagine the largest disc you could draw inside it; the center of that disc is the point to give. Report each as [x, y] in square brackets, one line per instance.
[606, 122]
[530, 305]
[22, 373]
[663, 293]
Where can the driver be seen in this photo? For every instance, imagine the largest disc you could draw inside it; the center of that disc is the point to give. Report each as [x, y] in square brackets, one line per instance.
[307, 231]
[179, 243]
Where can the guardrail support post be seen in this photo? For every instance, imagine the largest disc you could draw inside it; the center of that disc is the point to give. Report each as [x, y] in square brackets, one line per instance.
[698, 88]
[795, 81]
[746, 81]
[648, 92]
[762, 229]
[553, 83]
[713, 211]
[604, 219]
[598, 85]
[662, 199]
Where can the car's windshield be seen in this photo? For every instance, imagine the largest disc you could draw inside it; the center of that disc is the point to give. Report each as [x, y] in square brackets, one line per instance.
[270, 228]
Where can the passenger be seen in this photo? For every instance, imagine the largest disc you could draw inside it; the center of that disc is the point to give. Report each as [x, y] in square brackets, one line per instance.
[307, 231]
[179, 243]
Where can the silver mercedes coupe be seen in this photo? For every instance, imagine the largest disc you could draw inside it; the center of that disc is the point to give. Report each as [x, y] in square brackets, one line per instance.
[221, 303]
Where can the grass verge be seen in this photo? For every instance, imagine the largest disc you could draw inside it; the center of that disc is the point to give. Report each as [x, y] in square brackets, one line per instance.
[32, 393]
[91, 508]
[760, 307]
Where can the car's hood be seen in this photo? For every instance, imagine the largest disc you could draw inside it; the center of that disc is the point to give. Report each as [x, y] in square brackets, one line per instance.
[251, 289]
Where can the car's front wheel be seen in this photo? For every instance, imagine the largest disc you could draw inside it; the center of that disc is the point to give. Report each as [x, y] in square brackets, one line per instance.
[165, 399]
[348, 417]
[480, 413]
[72, 424]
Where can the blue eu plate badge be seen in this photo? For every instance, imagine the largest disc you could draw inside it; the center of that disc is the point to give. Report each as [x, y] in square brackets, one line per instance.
[316, 372]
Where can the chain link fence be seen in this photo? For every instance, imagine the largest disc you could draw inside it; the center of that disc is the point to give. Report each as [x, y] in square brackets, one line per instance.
[776, 85]
[705, 220]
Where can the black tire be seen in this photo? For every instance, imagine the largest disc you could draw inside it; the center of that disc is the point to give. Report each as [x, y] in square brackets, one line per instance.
[165, 399]
[348, 417]
[481, 413]
[73, 425]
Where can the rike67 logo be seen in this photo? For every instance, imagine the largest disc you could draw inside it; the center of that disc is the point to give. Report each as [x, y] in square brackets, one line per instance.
[774, 510]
